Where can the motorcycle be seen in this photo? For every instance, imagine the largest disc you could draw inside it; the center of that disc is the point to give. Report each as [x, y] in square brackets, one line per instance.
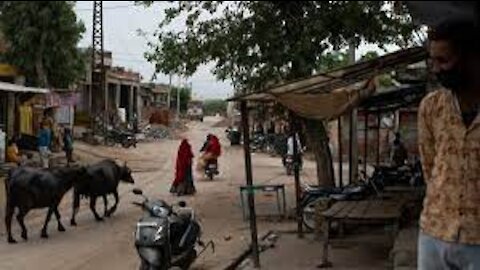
[417, 174]
[258, 143]
[270, 144]
[167, 239]
[408, 175]
[312, 195]
[234, 136]
[126, 139]
[211, 169]
[289, 164]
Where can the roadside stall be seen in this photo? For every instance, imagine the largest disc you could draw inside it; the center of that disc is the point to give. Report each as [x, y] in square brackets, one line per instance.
[322, 97]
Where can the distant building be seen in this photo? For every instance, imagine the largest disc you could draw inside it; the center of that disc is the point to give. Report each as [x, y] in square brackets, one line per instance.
[160, 95]
[20, 107]
[123, 88]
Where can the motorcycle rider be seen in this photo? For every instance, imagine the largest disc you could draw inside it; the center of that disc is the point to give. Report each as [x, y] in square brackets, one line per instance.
[290, 147]
[210, 150]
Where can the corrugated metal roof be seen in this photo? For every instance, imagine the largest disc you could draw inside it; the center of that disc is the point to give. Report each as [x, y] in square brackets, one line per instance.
[395, 98]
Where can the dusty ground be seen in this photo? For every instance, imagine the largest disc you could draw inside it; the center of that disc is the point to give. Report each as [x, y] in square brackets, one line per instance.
[367, 250]
[109, 244]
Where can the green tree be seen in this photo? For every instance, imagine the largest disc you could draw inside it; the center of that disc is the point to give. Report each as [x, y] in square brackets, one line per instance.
[259, 43]
[369, 55]
[42, 38]
[185, 97]
[332, 60]
[214, 106]
[384, 80]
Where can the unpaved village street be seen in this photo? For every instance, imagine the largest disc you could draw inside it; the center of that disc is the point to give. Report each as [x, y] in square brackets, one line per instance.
[109, 244]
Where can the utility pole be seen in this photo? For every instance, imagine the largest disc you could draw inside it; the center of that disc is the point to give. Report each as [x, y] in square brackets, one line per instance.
[178, 96]
[169, 90]
[252, 215]
[98, 67]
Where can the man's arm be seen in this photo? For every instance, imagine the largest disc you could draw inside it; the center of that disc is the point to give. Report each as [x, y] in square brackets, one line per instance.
[426, 140]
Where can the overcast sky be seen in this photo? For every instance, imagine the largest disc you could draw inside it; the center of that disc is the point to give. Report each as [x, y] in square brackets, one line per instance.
[121, 20]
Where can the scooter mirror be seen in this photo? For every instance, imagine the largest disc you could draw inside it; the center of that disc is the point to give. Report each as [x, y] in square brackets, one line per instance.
[182, 204]
[137, 191]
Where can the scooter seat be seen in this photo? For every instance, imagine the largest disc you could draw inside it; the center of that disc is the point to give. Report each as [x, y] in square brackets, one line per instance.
[323, 190]
[353, 189]
[338, 197]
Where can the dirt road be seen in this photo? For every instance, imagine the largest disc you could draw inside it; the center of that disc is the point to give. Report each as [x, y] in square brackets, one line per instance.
[109, 244]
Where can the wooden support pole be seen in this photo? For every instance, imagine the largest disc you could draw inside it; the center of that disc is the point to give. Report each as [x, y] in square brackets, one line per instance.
[353, 147]
[249, 176]
[378, 137]
[365, 143]
[351, 155]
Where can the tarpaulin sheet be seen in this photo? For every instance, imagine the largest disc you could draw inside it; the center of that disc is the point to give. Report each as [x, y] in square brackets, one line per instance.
[326, 106]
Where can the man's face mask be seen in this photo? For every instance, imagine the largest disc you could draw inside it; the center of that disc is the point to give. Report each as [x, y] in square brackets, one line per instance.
[452, 79]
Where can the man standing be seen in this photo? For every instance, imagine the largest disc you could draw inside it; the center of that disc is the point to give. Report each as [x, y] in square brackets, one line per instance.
[449, 141]
[399, 153]
[44, 142]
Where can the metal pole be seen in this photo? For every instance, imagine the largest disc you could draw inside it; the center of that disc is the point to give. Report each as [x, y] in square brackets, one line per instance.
[365, 143]
[353, 143]
[103, 83]
[340, 152]
[378, 137]
[249, 176]
[296, 169]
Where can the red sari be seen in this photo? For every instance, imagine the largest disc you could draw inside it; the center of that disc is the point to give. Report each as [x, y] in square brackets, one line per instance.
[214, 147]
[212, 151]
[183, 182]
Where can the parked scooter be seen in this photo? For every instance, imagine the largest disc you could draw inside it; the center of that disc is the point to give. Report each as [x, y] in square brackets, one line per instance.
[311, 195]
[167, 239]
[233, 134]
[211, 169]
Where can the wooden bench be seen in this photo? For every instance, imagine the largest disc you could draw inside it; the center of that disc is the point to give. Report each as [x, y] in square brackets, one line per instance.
[370, 212]
[278, 189]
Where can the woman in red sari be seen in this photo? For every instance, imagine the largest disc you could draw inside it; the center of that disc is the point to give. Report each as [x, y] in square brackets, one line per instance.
[211, 151]
[183, 183]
